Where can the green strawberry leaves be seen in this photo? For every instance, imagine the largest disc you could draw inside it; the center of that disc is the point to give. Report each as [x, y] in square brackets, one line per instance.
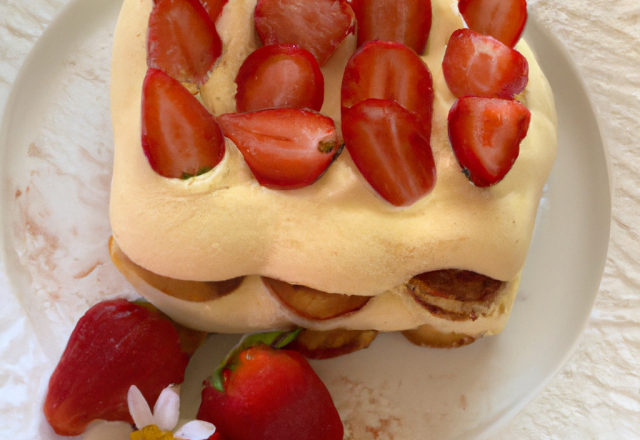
[275, 339]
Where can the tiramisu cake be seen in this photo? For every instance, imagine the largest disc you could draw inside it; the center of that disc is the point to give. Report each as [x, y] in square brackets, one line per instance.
[281, 165]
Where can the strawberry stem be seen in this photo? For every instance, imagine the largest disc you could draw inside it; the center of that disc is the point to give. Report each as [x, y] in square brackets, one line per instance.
[201, 171]
[326, 146]
[276, 339]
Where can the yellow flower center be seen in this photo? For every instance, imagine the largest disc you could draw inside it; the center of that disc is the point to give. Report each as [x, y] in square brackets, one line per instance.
[151, 432]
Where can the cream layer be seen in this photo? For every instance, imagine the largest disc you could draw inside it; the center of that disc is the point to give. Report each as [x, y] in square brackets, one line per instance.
[253, 307]
[336, 235]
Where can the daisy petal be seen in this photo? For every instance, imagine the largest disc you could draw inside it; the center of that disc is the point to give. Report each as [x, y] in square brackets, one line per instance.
[195, 430]
[167, 410]
[139, 408]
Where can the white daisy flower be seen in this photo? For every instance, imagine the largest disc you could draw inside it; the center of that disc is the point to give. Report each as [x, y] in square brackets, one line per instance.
[164, 418]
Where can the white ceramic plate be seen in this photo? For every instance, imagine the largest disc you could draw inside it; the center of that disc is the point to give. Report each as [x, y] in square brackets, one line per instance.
[55, 151]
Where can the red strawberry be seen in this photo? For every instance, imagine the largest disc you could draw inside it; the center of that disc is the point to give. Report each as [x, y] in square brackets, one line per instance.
[403, 21]
[279, 76]
[179, 136]
[214, 8]
[318, 26]
[182, 40]
[386, 70]
[285, 148]
[268, 394]
[386, 144]
[478, 65]
[485, 135]
[116, 344]
[504, 20]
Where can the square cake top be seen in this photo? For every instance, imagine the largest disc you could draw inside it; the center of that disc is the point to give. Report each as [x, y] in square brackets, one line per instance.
[336, 235]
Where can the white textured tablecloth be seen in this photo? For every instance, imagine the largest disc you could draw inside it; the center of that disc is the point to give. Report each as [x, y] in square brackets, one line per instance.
[597, 394]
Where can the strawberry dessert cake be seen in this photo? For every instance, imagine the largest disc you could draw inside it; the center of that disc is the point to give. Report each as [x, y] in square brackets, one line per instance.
[324, 164]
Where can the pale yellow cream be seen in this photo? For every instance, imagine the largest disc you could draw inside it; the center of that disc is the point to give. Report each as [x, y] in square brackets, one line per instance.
[336, 235]
[251, 307]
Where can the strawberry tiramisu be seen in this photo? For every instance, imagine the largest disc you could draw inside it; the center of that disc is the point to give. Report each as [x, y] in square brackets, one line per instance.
[401, 197]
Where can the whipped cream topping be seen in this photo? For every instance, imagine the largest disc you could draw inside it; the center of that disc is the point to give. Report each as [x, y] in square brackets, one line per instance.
[336, 235]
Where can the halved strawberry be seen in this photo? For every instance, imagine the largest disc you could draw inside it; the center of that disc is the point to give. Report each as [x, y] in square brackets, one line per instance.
[116, 344]
[285, 148]
[279, 76]
[182, 40]
[214, 8]
[387, 70]
[403, 21]
[318, 26]
[485, 135]
[479, 65]
[504, 20]
[386, 144]
[179, 136]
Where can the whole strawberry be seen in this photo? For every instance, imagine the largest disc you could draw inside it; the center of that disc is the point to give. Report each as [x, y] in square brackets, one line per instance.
[116, 344]
[270, 394]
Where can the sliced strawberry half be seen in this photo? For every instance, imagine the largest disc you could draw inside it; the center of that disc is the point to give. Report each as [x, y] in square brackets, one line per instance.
[485, 135]
[284, 148]
[386, 143]
[279, 76]
[214, 8]
[403, 21]
[318, 26]
[179, 136]
[387, 70]
[479, 65]
[182, 40]
[504, 20]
